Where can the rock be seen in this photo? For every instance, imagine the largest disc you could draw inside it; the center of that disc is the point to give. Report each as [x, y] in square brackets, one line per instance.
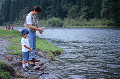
[36, 67]
[9, 58]
[56, 53]
[20, 76]
[18, 63]
[39, 64]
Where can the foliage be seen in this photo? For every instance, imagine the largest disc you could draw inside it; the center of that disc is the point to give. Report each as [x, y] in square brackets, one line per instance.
[67, 22]
[1, 1]
[3, 74]
[15, 10]
[73, 12]
[111, 10]
[43, 23]
[55, 22]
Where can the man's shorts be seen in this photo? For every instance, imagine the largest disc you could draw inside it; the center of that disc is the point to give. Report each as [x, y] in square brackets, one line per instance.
[25, 55]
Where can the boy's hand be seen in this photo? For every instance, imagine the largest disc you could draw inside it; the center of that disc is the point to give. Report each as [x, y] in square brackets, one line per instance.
[31, 49]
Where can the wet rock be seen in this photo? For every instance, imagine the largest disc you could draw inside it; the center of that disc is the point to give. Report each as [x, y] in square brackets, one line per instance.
[9, 58]
[39, 64]
[18, 63]
[56, 53]
[20, 76]
[36, 67]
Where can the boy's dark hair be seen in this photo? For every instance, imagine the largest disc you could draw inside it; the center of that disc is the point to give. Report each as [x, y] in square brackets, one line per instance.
[36, 8]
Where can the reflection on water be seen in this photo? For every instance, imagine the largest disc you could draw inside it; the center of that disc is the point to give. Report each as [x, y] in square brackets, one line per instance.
[89, 53]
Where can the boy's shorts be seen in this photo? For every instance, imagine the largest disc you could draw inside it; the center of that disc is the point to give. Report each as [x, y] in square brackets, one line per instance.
[25, 55]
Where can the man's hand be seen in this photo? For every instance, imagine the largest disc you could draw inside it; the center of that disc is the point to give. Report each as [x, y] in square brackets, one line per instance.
[35, 28]
[31, 49]
[40, 29]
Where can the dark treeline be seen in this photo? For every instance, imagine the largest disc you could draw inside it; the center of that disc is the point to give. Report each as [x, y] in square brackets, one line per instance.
[0, 1]
[12, 10]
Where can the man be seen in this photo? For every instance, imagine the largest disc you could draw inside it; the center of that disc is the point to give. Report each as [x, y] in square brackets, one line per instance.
[31, 24]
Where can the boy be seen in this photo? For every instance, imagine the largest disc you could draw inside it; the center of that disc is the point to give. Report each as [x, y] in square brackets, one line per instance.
[25, 49]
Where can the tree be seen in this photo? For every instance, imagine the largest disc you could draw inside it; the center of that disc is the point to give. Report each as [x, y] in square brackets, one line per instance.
[107, 7]
[111, 10]
[86, 9]
[5, 10]
[73, 12]
[96, 8]
[44, 4]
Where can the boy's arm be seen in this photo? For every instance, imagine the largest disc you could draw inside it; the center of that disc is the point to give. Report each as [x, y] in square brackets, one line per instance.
[28, 48]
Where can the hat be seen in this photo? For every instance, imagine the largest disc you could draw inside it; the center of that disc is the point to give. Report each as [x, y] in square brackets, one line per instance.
[24, 31]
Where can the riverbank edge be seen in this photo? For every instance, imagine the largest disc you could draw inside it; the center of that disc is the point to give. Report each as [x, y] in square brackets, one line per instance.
[41, 44]
[14, 41]
[98, 26]
[67, 22]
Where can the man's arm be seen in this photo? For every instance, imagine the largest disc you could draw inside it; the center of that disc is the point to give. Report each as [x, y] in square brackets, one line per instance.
[35, 28]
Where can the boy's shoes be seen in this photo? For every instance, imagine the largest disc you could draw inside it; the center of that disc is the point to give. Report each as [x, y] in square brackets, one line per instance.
[28, 68]
[24, 69]
[41, 64]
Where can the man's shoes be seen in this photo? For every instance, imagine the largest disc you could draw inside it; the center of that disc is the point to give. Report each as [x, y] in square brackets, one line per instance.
[31, 62]
[24, 69]
[40, 64]
[41, 68]
[28, 68]
[35, 60]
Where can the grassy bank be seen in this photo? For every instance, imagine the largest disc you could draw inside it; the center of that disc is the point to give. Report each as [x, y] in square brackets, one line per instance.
[3, 74]
[14, 38]
[67, 22]
[6, 70]
[76, 22]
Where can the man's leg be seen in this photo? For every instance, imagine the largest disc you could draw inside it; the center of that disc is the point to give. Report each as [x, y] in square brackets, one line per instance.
[30, 38]
[34, 46]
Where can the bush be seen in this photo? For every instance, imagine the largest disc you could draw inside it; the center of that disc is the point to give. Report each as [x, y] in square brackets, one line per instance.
[6, 70]
[55, 22]
[4, 75]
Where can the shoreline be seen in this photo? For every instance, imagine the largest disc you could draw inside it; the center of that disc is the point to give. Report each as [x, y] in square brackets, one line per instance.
[11, 38]
[15, 61]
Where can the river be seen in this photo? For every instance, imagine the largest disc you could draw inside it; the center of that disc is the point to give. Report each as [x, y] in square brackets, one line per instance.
[89, 53]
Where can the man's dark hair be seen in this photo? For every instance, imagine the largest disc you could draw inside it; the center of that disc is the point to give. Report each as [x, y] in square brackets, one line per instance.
[36, 8]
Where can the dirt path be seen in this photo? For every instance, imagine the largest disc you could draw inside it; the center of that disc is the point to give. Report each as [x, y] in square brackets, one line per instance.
[3, 44]
[15, 60]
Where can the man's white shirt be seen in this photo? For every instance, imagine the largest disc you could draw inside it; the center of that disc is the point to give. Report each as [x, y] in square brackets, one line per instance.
[29, 18]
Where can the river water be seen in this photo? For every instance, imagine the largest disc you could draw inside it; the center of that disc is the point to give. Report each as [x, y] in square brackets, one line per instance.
[89, 53]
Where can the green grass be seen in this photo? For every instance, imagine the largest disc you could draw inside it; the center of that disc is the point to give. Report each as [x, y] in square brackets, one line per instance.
[67, 22]
[48, 48]
[3, 73]
[10, 34]
[14, 38]
[87, 23]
